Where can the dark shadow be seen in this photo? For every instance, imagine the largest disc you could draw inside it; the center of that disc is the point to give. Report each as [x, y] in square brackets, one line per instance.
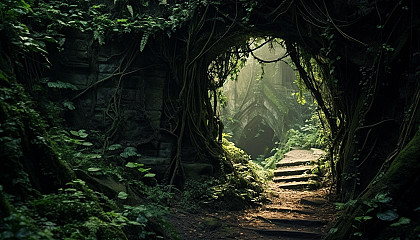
[257, 138]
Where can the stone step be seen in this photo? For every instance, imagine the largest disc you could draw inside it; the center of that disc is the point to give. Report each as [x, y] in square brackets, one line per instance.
[296, 185]
[287, 210]
[315, 202]
[278, 232]
[290, 163]
[306, 222]
[292, 171]
[295, 178]
[317, 151]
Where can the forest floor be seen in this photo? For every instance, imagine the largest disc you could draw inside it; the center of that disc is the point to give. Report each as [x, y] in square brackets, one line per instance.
[290, 214]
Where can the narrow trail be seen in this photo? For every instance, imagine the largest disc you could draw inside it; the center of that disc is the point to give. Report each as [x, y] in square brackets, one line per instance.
[295, 211]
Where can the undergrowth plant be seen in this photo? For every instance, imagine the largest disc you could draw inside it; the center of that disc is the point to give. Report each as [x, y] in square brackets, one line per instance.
[310, 135]
[242, 188]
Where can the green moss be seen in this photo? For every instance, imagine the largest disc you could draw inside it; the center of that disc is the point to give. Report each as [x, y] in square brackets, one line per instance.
[102, 230]
[242, 188]
[29, 163]
[5, 207]
[407, 160]
[66, 208]
[75, 213]
[21, 226]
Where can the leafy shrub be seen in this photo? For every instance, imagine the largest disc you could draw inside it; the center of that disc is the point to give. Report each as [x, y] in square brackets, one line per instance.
[238, 190]
[309, 135]
[150, 221]
[20, 226]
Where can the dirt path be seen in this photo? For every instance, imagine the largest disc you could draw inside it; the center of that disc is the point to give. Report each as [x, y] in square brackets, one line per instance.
[295, 212]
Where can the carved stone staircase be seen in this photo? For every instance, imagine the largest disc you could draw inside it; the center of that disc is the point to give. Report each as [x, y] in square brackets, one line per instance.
[296, 217]
[294, 173]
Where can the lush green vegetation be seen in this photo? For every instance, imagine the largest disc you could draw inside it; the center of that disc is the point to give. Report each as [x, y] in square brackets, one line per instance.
[241, 189]
[310, 135]
[358, 59]
[40, 196]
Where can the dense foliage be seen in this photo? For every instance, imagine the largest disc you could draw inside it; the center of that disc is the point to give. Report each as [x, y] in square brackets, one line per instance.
[359, 60]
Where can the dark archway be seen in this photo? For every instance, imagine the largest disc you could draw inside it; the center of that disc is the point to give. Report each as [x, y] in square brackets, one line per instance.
[352, 56]
[258, 138]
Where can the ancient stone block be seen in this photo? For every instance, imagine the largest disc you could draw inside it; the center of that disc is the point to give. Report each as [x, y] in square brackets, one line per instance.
[128, 95]
[107, 67]
[75, 59]
[154, 99]
[154, 117]
[133, 82]
[165, 149]
[107, 80]
[79, 79]
[99, 115]
[155, 79]
[104, 53]
[103, 95]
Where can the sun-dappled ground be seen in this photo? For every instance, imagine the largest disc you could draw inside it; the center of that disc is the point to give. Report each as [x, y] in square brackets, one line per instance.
[289, 214]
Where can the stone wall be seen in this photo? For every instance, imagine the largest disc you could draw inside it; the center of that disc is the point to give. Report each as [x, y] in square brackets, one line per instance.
[123, 93]
[120, 91]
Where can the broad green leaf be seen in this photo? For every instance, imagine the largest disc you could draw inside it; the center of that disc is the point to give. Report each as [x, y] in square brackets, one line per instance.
[131, 165]
[69, 105]
[149, 175]
[130, 9]
[61, 41]
[389, 215]
[382, 198]
[114, 147]
[122, 195]
[134, 165]
[70, 190]
[362, 218]
[144, 41]
[401, 221]
[82, 133]
[88, 144]
[92, 169]
[75, 133]
[144, 169]
[130, 152]
[50, 39]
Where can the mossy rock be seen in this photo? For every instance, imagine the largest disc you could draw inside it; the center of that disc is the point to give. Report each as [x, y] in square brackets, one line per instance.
[66, 208]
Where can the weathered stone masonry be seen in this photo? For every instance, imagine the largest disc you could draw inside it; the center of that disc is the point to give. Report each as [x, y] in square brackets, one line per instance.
[125, 90]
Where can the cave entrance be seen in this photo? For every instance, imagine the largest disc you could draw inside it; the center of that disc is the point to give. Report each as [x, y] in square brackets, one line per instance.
[257, 139]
